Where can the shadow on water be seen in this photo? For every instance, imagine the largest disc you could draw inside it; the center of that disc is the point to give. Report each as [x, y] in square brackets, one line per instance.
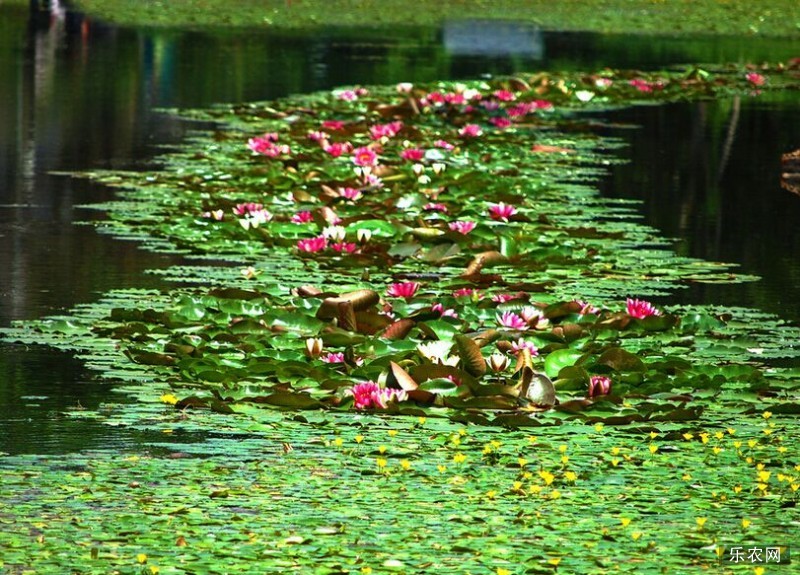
[79, 94]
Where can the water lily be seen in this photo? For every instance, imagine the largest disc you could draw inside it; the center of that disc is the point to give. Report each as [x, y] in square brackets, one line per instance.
[599, 385]
[266, 146]
[404, 87]
[500, 122]
[403, 289]
[333, 357]
[346, 95]
[246, 208]
[511, 320]
[337, 148]
[313, 347]
[334, 233]
[640, 309]
[344, 247]
[438, 307]
[413, 154]
[462, 227]
[333, 125]
[520, 344]
[498, 362]
[217, 215]
[468, 292]
[351, 194]
[369, 395]
[444, 145]
[501, 212]
[587, 308]
[312, 245]
[504, 95]
[505, 297]
[435, 207]
[470, 131]
[385, 131]
[755, 78]
[365, 157]
[302, 217]
[363, 235]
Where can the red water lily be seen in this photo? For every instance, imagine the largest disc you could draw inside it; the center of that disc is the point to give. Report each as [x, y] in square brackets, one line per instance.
[403, 289]
[640, 309]
[364, 157]
[312, 245]
[369, 395]
[599, 385]
[501, 211]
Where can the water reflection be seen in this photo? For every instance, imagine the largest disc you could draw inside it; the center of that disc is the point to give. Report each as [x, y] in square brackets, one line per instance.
[78, 94]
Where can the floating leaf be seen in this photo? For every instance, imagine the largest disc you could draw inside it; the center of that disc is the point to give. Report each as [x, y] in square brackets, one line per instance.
[471, 357]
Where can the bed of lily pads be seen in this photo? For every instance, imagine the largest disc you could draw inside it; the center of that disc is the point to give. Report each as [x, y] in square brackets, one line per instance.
[418, 340]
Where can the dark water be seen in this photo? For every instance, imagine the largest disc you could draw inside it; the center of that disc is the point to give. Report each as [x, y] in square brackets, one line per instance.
[77, 94]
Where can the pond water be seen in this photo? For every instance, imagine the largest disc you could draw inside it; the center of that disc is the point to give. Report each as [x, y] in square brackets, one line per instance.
[79, 94]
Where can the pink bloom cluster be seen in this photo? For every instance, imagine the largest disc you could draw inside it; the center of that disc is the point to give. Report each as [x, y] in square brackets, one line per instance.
[344, 247]
[351, 194]
[413, 154]
[333, 357]
[380, 131]
[505, 95]
[403, 289]
[501, 211]
[640, 309]
[525, 108]
[462, 227]
[435, 207]
[512, 321]
[470, 131]
[500, 122]
[599, 385]
[333, 125]
[247, 208]
[365, 156]
[369, 395]
[337, 149]
[444, 145]
[468, 292]
[520, 344]
[505, 297]
[645, 85]
[302, 218]
[438, 307]
[312, 245]
[351, 95]
[267, 145]
[756, 79]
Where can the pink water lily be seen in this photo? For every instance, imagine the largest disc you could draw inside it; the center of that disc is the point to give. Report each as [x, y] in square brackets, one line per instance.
[520, 344]
[505, 297]
[365, 156]
[587, 308]
[312, 245]
[217, 215]
[444, 145]
[640, 309]
[435, 207]
[470, 131]
[302, 218]
[462, 227]
[599, 385]
[337, 148]
[403, 289]
[511, 320]
[347, 95]
[468, 292]
[501, 211]
[369, 395]
[500, 122]
[266, 146]
[344, 247]
[333, 357]
[413, 154]
[351, 194]
[333, 125]
[381, 131]
[756, 79]
[438, 307]
[505, 95]
[247, 208]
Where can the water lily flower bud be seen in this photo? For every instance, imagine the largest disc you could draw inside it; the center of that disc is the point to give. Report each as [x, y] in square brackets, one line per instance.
[498, 362]
[363, 235]
[418, 169]
[424, 179]
[334, 233]
[313, 347]
[599, 385]
[438, 167]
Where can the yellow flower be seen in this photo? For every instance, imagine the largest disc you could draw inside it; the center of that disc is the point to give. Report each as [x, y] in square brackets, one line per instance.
[737, 488]
[392, 432]
[562, 448]
[501, 571]
[758, 571]
[688, 436]
[701, 521]
[717, 450]
[522, 462]
[338, 442]
[381, 462]
[564, 459]
[441, 468]
[653, 448]
[763, 476]
[795, 486]
[636, 535]
[762, 486]
[495, 444]
[141, 558]
[517, 486]
[598, 427]
[766, 431]
[168, 398]
[766, 414]
[154, 570]
[782, 449]
[547, 476]
[487, 449]
[615, 451]
[653, 434]
[570, 476]
[625, 521]
[422, 420]
[532, 439]
[704, 437]
[381, 449]
[746, 523]
[359, 438]
[687, 477]
[405, 464]
[462, 432]
[731, 430]
[614, 461]
[366, 570]
[554, 561]
[555, 494]
[455, 440]
[737, 444]
[459, 458]
[752, 443]
[491, 494]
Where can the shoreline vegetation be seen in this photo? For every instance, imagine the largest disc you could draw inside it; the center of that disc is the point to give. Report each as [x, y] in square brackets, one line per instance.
[673, 17]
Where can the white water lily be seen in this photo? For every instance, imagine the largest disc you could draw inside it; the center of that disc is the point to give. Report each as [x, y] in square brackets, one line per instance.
[584, 95]
[334, 233]
[438, 352]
